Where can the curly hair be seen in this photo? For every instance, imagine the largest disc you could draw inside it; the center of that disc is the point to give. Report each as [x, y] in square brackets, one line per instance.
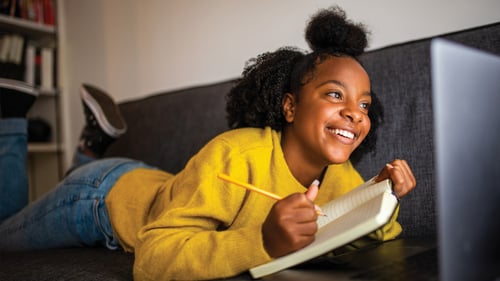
[256, 99]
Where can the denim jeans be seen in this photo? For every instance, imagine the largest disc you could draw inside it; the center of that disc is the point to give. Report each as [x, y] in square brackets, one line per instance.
[72, 214]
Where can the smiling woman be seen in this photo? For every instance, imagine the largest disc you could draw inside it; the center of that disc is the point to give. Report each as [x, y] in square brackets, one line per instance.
[308, 96]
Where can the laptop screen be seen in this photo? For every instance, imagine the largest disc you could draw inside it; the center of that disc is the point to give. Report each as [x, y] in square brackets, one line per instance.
[466, 101]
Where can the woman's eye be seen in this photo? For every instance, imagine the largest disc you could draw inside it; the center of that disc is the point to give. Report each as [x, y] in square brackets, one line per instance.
[335, 95]
[365, 105]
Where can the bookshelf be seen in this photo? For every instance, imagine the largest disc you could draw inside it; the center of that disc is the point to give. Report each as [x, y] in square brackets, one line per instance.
[38, 34]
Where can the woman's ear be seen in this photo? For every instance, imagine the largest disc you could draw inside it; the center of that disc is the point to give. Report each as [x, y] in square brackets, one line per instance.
[289, 102]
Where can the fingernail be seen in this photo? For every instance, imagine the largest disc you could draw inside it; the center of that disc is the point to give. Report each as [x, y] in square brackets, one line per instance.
[389, 165]
[315, 182]
[395, 195]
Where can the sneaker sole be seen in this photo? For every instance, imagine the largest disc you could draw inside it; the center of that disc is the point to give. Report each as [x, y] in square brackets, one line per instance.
[112, 124]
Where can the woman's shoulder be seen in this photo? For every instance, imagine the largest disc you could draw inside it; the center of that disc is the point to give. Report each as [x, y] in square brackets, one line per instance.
[237, 146]
[246, 137]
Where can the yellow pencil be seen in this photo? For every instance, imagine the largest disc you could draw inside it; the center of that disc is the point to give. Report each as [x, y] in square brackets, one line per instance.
[256, 189]
[249, 186]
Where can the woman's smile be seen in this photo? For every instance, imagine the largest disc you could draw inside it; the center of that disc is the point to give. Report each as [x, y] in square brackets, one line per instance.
[345, 136]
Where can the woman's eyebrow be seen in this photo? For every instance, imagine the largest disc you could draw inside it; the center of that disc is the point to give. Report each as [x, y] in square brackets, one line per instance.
[340, 84]
[336, 82]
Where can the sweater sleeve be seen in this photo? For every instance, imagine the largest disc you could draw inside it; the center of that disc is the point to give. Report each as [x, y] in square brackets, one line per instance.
[196, 236]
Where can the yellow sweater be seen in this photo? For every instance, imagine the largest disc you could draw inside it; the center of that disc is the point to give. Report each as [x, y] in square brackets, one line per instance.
[194, 226]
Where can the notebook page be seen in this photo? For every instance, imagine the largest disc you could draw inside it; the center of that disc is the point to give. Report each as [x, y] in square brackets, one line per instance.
[351, 200]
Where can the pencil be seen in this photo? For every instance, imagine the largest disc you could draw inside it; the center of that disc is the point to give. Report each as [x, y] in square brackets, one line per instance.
[258, 190]
[249, 187]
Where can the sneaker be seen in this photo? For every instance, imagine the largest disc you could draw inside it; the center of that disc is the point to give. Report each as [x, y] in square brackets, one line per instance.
[104, 122]
[104, 110]
[16, 98]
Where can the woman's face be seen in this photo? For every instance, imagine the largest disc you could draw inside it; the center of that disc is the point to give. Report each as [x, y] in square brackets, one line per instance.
[328, 119]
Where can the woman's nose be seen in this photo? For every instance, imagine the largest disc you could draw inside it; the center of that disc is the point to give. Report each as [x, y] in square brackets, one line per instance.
[352, 113]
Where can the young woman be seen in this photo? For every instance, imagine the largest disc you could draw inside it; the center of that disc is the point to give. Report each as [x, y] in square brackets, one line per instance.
[296, 117]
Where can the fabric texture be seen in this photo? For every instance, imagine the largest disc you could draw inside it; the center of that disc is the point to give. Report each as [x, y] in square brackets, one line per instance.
[73, 214]
[89, 264]
[13, 150]
[165, 129]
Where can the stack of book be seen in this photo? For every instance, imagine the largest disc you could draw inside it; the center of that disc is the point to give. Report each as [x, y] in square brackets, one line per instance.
[23, 61]
[40, 11]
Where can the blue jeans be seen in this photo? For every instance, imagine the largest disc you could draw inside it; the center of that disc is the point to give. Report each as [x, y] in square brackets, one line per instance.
[72, 214]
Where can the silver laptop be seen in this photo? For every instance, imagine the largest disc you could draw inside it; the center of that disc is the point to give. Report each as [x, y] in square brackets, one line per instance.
[466, 101]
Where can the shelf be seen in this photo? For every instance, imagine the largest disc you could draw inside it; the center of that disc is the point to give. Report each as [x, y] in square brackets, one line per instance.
[44, 147]
[48, 93]
[42, 34]
[30, 28]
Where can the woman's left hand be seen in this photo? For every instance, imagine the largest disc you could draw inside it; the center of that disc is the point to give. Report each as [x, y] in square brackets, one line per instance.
[401, 175]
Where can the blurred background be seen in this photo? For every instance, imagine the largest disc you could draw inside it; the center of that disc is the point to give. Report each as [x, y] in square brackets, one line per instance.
[135, 48]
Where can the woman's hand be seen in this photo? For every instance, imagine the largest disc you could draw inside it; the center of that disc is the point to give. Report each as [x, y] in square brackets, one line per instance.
[291, 223]
[401, 175]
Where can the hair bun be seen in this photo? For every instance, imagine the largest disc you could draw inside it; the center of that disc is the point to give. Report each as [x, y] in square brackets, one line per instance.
[330, 30]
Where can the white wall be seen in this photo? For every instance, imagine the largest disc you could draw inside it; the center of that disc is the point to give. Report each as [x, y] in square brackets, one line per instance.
[133, 48]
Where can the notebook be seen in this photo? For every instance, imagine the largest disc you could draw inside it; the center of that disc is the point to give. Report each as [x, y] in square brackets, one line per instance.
[466, 101]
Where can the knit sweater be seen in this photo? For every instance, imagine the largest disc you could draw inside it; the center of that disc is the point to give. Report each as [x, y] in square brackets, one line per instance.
[194, 226]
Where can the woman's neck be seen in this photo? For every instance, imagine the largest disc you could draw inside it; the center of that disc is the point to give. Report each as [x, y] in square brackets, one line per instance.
[301, 167]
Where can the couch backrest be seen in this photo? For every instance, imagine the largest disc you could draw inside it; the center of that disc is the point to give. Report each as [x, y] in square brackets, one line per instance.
[166, 129]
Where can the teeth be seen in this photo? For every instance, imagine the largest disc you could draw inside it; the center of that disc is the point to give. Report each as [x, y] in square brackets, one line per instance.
[344, 133]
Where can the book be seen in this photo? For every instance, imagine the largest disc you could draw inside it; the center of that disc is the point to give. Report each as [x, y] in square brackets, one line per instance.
[47, 69]
[29, 73]
[12, 50]
[349, 217]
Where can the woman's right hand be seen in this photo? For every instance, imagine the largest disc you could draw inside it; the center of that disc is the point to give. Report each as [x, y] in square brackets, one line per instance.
[291, 223]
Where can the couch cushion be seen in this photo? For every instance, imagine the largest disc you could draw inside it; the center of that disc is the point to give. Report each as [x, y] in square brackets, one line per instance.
[90, 264]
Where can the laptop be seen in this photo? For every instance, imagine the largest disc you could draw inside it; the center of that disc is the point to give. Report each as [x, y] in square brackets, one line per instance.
[466, 100]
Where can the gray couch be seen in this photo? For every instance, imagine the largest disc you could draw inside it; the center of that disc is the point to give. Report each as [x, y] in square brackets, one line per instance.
[165, 129]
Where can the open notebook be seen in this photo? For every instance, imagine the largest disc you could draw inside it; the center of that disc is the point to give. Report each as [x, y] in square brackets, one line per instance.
[349, 217]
